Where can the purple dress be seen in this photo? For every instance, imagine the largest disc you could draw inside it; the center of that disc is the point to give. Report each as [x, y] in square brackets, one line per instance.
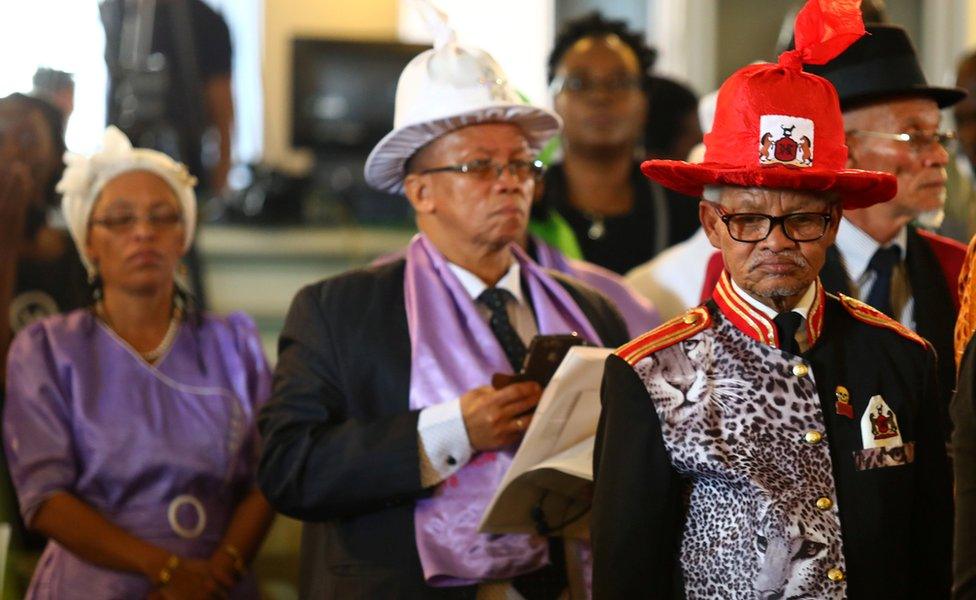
[165, 452]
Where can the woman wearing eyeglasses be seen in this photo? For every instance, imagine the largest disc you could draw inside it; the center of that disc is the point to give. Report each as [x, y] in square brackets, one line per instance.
[130, 426]
[595, 204]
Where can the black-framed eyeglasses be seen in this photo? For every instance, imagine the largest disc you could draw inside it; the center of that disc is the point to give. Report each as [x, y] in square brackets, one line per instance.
[575, 84]
[755, 227]
[125, 222]
[919, 141]
[487, 170]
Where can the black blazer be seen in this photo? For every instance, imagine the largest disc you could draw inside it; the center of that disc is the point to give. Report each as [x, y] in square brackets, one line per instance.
[896, 522]
[341, 449]
[934, 311]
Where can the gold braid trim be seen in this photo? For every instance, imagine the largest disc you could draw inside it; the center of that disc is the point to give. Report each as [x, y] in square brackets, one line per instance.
[966, 322]
[679, 328]
[872, 316]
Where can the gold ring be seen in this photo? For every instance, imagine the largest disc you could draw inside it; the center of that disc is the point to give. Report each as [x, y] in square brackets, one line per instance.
[520, 423]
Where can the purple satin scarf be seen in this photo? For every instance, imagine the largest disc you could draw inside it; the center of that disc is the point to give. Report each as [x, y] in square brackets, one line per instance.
[638, 313]
[453, 350]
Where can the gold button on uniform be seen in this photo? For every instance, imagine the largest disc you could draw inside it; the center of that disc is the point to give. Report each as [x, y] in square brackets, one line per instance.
[691, 318]
[813, 437]
[824, 503]
[835, 574]
[801, 370]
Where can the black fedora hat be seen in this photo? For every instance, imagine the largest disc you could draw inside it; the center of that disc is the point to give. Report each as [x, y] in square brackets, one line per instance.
[879, 66]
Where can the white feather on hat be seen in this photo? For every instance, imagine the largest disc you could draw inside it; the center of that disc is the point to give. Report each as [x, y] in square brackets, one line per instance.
[444, 89]
[85, 176]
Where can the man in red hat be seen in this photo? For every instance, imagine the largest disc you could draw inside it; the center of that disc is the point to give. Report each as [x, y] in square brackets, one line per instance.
[777, 441]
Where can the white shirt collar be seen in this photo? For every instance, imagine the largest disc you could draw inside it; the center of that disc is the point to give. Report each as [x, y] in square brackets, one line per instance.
[510, 281]
[802, 307]
[856, 247]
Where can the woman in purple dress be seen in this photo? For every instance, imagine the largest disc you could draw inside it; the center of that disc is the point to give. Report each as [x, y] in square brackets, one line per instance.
[130, 426]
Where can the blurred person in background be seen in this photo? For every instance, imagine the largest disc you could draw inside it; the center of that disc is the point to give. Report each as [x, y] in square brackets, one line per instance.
[129, 426]
[886, 254]
[673, 128]
[56, 88]
[169, 64]
[960, 222]
[40, 271]
[672, 281]
[595, 204]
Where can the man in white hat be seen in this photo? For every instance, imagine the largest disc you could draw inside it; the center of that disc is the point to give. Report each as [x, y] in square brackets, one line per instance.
[383, 433]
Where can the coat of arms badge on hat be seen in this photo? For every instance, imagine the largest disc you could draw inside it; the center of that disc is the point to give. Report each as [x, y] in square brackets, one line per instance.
[786, 140]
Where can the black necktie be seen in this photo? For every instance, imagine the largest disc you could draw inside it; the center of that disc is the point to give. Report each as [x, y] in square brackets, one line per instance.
[786, 325]
[548, 582]
[496, 299]
[883, 264]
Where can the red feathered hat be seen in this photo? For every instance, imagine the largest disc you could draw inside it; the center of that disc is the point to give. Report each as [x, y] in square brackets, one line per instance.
[779, 127]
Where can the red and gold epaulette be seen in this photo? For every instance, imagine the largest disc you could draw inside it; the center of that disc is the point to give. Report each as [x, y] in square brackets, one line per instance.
[872, 316]
[668, 334]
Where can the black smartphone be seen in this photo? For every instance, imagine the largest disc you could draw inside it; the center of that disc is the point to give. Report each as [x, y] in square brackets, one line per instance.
[542, 358]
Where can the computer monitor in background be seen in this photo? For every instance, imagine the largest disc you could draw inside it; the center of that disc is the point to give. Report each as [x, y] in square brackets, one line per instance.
[343, 93]
[343, 96]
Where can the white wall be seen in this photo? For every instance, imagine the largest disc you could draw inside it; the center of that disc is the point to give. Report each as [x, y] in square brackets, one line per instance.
[285, 19]
[61, 34]
[517, 33]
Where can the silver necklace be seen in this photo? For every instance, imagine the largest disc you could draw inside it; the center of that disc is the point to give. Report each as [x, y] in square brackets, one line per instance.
[168, 338]
[174, 325]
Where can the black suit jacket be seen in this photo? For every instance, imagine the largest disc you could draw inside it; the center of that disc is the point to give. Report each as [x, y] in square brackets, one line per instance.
[896, 522]
[934, 311]
[341, 449]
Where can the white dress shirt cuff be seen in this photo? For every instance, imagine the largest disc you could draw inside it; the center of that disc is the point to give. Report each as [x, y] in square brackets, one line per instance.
[444, 444]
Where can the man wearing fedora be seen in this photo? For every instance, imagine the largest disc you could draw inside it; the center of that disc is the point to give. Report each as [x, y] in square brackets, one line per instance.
[882, 254]
[777, 441]
[383, 433]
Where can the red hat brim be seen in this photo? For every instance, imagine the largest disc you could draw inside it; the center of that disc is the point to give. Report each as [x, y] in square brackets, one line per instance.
[856, 188]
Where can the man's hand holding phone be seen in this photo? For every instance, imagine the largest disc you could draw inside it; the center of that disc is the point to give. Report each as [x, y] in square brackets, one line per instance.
[497, 418]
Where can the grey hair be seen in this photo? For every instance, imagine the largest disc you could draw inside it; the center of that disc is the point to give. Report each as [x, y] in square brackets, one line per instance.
[712, 193]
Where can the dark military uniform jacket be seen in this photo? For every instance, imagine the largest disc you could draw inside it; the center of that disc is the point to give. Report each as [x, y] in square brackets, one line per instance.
[729, 468]
[932, 263]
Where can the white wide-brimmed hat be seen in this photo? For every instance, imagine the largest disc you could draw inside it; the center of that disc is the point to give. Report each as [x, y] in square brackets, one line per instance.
[444, 89]
[85, 176]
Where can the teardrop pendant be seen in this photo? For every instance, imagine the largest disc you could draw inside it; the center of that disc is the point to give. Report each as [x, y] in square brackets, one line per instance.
[597, 229]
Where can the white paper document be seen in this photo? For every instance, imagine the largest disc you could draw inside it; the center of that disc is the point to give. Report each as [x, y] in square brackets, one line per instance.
[551, 477]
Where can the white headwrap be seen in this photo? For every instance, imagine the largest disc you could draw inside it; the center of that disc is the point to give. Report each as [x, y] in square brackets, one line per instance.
[85, 176]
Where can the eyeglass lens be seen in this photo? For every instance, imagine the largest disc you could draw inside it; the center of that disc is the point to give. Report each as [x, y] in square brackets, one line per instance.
[799, 227]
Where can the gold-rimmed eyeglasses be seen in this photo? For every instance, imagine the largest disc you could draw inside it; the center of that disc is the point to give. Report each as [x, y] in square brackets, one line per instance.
[487, 170]
[919, 141]
[575, 84]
